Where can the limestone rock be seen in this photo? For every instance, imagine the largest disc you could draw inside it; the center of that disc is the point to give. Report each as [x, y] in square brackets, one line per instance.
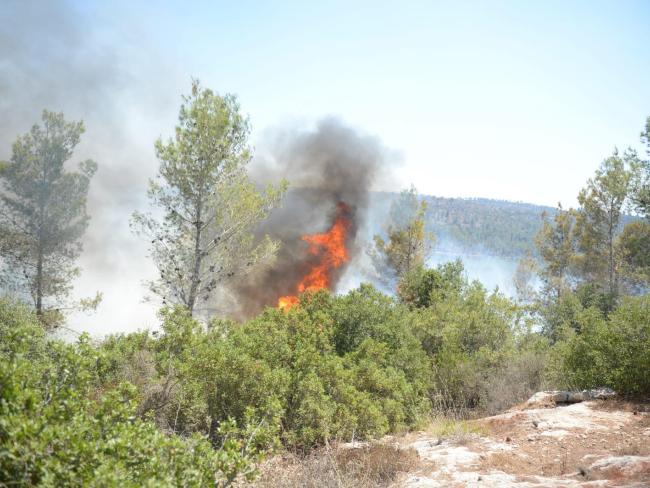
[552, 398]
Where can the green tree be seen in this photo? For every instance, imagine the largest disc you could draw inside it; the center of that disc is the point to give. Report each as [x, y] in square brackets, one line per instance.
[210, 208]
[598, 219]
[555, 243]
[609, 350]
[43, 213]
[524, 279]
[633, 246]
[408, 243]
[422, 287]
[641, 178]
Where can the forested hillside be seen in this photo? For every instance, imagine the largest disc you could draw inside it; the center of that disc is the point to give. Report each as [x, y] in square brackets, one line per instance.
[494, 227]
[478, 225]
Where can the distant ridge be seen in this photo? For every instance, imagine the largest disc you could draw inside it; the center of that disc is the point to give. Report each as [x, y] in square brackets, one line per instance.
[475, 225]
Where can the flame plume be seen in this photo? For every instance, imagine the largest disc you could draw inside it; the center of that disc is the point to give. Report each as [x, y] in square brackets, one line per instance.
[330, 252]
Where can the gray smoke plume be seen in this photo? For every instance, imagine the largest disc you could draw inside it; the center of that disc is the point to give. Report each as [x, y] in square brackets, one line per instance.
[55, 55]
[331, 164]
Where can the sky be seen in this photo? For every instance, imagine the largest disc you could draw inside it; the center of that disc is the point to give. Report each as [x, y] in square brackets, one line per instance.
[512, 100]
[508, 100]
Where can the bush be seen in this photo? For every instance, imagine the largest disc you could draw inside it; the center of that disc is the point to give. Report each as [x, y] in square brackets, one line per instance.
[612, 350]
[334, 367]
[58, 429]
[422, 287]
[469, 334]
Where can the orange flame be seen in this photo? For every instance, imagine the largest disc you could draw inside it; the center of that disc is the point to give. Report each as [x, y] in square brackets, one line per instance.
[330, 249]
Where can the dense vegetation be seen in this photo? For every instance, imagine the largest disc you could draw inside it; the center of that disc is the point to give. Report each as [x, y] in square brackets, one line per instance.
[194, 402]
[66, 419]
[494, 227]
[478, 225]
[201, 402]
[359, 365]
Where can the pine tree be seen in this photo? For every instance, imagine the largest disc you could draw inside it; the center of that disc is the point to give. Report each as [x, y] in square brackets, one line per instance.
[210, 208]
[599, 217]
[556, 245]
[408, 243]
[43, 214]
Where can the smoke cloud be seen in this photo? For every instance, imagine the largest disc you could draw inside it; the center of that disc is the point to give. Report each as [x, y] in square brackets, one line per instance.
[56, 56]
[330, 164]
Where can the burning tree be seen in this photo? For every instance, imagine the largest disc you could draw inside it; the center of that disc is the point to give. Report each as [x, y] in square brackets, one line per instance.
[332, 169]
[210, 208]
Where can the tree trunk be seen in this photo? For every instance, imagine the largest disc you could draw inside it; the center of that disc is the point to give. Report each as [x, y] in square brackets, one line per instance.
[39, 282]
[41, 238]
[191, 299]
[611, 251]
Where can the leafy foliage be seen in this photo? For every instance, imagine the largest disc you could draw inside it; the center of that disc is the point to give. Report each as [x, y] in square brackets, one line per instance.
[210, 208]
[641, 177]
[556, 244]
[408, 244]
[200, 404]
[591, 257]
[354, 366]
[61, 424]
[612, 350]
[43, 215]
[633, 251]
[599, 217]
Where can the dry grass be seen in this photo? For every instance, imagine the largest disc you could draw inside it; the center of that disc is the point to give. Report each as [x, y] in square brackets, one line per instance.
[506, 462]
[364, 467]
[455, 431]
[521, 377]
[634, 449]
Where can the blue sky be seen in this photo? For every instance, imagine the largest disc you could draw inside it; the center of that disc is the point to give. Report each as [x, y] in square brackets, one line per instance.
[513, 100]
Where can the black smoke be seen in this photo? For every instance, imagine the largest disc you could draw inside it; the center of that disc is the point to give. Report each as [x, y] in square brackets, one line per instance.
[330, 164]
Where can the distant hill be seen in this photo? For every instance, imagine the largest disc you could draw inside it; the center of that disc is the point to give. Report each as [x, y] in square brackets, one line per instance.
[495, 227]
[475, 225]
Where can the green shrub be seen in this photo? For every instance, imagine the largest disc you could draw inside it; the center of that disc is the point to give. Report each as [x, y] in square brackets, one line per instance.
[58, 429]
[332, 368]
[147, 406]
[473, 338]
[422, 287]
[612, 350]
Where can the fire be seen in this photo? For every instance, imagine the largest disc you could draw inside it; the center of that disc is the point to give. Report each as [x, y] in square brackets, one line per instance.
[330, 249]
[287, 302]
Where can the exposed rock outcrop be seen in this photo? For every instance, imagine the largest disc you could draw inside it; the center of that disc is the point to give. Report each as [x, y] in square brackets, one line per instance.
[556, 439]
[552, 398]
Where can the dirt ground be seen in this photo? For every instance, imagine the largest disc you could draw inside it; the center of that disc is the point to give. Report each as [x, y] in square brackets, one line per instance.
[598, 443]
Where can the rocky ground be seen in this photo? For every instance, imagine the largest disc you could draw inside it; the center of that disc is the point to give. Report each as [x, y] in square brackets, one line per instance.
[555, 439]
[543, 443]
